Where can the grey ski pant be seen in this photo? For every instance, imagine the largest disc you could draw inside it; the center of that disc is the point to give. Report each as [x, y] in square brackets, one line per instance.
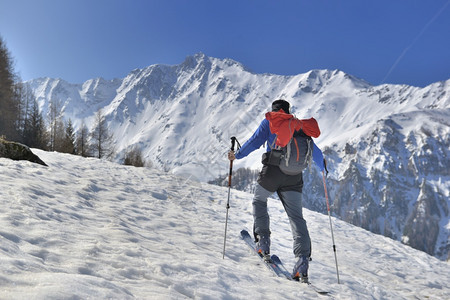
[292, 202]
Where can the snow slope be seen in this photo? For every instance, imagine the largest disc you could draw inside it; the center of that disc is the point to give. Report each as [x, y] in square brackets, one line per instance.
[91, 229]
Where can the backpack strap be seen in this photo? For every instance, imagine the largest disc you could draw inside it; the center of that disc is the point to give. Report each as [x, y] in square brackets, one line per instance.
[309, 153]
[273, 145]
[288, 152]
[298, 150]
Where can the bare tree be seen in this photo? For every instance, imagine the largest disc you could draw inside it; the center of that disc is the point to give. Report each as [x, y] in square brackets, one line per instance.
[55, 117]
[22, 102]
[102, 140]
[82, 144]
[27, 106]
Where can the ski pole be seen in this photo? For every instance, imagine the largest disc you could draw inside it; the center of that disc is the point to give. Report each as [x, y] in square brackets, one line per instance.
[233, 140]
[331, 226]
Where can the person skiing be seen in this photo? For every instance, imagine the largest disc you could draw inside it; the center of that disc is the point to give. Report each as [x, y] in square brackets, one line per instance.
[288, 187]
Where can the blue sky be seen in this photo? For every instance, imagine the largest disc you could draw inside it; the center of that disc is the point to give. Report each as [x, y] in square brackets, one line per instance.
[383, 41]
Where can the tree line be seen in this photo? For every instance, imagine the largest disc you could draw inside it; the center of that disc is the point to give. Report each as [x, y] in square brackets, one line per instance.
[22, 121]
[244, 179]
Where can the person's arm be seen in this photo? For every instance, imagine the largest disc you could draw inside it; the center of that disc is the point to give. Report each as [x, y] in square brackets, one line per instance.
[318, 157]
[258, 138]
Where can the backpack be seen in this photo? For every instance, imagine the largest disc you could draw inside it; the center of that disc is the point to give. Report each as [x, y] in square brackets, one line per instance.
[292, 148]
[293, 158]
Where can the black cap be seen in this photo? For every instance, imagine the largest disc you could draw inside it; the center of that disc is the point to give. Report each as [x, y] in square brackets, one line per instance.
[278, 104]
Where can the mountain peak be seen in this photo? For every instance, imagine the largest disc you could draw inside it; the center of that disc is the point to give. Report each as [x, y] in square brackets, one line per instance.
[192, 61]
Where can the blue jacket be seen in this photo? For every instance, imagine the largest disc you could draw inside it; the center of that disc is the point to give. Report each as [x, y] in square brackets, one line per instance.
[262, 135]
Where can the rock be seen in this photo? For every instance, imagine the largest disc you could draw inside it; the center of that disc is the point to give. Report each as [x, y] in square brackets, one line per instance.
[17, 151]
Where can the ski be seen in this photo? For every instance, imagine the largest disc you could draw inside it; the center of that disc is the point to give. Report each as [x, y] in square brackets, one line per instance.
[267, 260]
[274, 264]
[276, 260]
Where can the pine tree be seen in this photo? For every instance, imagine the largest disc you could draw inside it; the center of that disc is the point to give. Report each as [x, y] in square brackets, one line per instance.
[8, 105]
[35, 134]
[68, 143]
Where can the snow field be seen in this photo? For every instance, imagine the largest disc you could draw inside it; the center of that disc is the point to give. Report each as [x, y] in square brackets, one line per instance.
[92, 229]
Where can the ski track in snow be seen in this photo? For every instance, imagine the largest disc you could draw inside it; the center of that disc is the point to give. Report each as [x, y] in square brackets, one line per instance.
[84, 228]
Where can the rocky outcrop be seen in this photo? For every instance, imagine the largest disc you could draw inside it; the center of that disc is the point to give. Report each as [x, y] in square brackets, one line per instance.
[17, 151]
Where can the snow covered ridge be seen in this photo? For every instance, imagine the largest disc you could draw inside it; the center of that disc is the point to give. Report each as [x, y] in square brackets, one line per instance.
[387, 145]
[84, 228]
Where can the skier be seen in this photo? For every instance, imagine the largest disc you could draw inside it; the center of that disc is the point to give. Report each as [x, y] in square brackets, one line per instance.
[289, 189]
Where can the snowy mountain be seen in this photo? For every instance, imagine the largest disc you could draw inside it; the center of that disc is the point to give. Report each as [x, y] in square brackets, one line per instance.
[84, 228]
[387, 146]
